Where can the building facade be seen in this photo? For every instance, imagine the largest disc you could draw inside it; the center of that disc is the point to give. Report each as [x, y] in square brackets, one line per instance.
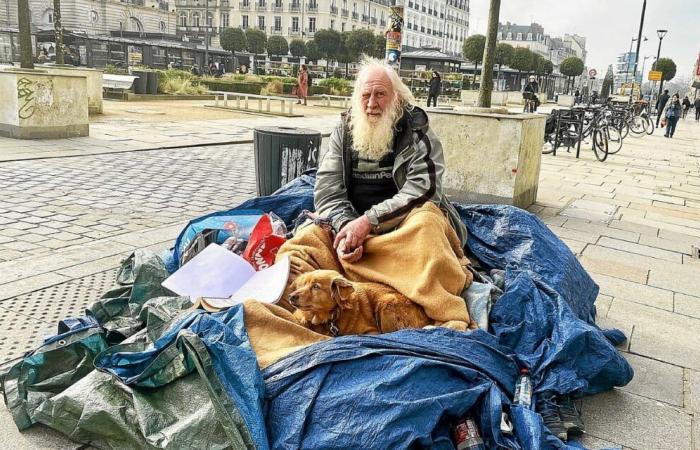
[437, 24]
[624, 70]
[291, 19]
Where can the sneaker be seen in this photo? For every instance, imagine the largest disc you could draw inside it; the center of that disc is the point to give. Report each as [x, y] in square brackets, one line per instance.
[570, 416]
[547, 407]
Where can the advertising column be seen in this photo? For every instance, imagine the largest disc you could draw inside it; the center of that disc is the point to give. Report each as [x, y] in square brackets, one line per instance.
[393, 36]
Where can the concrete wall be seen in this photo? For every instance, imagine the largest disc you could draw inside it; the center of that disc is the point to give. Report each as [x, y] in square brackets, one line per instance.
[498, 98]
[94, 83]
[566, 100]
[39, 105]
[490, 158]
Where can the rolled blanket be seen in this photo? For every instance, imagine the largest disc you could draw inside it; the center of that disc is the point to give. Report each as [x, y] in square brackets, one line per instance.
[421, 259]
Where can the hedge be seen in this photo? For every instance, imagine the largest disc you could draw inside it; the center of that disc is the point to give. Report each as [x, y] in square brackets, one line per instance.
[255, 88]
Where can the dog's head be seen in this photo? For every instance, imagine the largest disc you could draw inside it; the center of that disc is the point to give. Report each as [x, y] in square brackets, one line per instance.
[319, 293]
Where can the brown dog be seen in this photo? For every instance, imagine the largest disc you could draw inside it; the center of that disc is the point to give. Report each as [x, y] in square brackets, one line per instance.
[328, 303]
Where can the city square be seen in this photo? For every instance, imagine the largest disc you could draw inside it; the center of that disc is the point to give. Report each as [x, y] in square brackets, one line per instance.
[73, 207]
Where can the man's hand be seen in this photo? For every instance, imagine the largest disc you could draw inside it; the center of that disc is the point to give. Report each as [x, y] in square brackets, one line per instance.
[354, 234]
[351, 257]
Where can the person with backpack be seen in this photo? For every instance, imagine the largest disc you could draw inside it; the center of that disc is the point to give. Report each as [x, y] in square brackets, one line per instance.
[671, 113]
[530, 95]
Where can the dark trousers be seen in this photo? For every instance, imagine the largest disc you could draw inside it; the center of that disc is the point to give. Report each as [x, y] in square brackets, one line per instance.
[432, 97]
[697, 114]
[671, 125]
[658, 114]
[685, 113]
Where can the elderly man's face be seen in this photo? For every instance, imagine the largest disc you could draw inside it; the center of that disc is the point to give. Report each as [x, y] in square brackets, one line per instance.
[377, 95]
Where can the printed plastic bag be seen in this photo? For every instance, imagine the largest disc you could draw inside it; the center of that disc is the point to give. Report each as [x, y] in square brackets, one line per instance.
[265, 240]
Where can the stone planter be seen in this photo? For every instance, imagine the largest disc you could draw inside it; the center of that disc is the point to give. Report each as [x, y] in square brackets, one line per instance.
[490, 158]
[566, 100]
[94, 83]
[40, 105]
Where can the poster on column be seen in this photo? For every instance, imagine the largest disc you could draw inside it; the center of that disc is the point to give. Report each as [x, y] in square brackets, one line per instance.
[393, 36]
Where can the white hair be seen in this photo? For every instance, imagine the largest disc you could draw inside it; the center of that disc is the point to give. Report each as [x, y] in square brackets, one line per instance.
[372, 140]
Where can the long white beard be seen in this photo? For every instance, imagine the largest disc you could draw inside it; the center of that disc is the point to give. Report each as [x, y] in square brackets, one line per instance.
[373, 140]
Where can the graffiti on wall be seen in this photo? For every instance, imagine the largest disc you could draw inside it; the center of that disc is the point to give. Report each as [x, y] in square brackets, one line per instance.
[33, 95]
[25, 94]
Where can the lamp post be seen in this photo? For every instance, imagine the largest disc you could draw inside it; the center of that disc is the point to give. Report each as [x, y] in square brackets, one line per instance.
[206, 34]
[639, 42]
[661, 34]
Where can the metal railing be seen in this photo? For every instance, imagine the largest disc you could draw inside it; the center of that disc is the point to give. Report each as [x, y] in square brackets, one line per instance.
[294, 7]
[334, 10]
[244, 6]
[260, 7]
[312, 7]
[293, 31]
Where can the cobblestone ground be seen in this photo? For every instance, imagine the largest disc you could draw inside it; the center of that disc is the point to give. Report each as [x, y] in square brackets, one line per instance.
[634, 222]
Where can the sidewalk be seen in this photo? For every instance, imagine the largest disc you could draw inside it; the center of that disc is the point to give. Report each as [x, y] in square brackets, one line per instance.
[634, 221]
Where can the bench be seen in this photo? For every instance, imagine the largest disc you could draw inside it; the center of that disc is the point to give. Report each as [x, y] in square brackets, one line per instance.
[117, 82]
[327, 101]
[243, 103]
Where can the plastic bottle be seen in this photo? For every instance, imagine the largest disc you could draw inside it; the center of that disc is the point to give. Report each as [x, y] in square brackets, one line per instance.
[466, 435]
[523, 389]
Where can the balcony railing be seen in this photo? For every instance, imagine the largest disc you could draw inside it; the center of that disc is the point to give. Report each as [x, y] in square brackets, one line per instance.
[274, 30]
[294, 7]
[310, 33]
[222, 4]
[278, 8]
[344, 12]
[334, 10]
[312, 7]
[293, 31]
[355, 16]
[244, 6]
[260, 7]
[365, 18]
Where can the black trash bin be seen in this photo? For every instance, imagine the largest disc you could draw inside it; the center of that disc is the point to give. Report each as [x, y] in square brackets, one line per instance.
[141, 83]
[152, 78]
[282, 154]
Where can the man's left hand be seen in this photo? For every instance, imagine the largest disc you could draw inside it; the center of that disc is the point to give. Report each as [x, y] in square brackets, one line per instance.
[354, 233]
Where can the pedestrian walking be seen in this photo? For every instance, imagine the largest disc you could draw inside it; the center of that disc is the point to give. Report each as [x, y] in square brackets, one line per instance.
[671, 113]
[435, 87]
[697, 109]
[302, 84]
[577, 97]
[660, 105]
[686, 106]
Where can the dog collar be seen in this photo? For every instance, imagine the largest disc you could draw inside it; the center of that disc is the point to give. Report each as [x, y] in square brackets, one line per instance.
[332, 327]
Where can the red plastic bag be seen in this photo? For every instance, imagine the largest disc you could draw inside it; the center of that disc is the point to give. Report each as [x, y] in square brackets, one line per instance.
[263, 244]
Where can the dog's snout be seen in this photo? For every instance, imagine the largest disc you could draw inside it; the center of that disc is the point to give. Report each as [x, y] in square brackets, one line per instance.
[294, 300]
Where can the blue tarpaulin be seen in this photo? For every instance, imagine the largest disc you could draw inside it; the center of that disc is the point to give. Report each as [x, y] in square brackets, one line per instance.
[404, 389]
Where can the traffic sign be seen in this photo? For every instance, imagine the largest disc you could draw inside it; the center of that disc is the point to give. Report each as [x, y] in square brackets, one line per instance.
[655, 75]
[592, 73]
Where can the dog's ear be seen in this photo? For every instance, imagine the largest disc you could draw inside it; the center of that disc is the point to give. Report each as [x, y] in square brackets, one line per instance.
[341, 290]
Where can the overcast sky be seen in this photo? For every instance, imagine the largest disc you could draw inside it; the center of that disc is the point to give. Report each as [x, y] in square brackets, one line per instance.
[608, 25]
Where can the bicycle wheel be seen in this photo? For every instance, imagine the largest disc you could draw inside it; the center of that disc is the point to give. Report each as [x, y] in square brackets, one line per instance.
[638, 125]
[600, 144]
[614, 139]
[649, 125]
[623, 126]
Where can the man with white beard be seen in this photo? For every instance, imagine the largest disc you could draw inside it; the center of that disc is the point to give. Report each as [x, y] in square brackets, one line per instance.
[381, 214]
[383, 161]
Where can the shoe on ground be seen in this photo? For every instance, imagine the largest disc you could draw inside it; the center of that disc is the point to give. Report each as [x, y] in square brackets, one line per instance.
[547, 407]
[570, 416]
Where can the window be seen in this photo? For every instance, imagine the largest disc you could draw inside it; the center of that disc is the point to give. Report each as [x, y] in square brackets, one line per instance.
[312, 24]
[183, 19]
[342, 26]
[94, 17]
[499, 36]
[278, 3]
[332, 24]
[509, 36]
[224, 20]
[161, 26]
[244, 22]
[354, 7]
[195, 19]
[210, 20]
[261, 22]
[519, 37]
[295, 24]
[529, 36]
[48, 16]
[278, 23]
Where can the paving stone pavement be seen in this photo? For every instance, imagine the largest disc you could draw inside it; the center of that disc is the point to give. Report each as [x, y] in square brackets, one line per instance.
[633, 221]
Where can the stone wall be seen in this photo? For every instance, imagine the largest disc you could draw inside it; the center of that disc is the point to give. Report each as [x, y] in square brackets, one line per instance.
[38, 105]
[490, 158]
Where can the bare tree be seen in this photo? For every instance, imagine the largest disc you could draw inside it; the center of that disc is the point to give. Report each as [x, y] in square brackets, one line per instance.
[486, 86]
[25, 34]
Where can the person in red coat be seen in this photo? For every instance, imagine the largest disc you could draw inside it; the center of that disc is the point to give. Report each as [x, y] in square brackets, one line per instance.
[302, 84]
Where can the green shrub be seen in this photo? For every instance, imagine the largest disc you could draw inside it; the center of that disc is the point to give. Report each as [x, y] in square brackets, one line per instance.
[274, 87]
[173, 81]
[335, 86]
[233, 86]
[318, 90]
[114, 70]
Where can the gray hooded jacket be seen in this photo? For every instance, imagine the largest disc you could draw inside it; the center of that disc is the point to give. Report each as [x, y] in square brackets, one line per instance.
[417, 173]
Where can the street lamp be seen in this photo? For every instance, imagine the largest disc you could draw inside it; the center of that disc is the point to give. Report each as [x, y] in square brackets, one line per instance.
[661, 34]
